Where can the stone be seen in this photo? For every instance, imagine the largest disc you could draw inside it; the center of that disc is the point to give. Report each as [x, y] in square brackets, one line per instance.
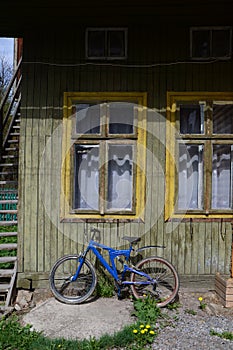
[24, 298]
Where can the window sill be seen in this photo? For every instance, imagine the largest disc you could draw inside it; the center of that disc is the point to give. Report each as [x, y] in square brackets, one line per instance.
[200, 218]
[100, 220]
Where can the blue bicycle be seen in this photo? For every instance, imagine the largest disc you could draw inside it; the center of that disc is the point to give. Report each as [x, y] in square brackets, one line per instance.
[73, 277]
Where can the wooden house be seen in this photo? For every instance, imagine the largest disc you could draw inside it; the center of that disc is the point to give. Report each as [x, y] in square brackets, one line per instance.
[126, 124]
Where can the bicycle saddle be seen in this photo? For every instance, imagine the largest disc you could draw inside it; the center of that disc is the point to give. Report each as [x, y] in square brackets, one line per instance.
[132, 239]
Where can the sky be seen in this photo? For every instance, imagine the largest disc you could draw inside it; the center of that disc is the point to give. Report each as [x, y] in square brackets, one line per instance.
[7, 49]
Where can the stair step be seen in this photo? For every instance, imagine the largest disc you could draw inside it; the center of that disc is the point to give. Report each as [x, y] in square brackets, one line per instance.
[8, 234]
[2, 173]
[8, 182]
[8, 211]
[15, 134]
[6, 272]
[8, 149]
[8, 164]
[16, 127]
[4, 287]
[9, 191]
[8, 259]
[8, 223]
[11, 156]
[12, 141]
[8, 246]
[9, 201]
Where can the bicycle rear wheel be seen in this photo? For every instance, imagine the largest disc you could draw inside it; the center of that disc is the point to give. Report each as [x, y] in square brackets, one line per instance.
[72, 292]
[165, 285]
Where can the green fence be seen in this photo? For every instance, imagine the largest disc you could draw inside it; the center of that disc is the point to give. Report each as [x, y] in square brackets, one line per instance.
[7, 196]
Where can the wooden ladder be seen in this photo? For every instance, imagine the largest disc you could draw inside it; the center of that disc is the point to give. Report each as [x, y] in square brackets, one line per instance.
[10, 122]
[7, 275]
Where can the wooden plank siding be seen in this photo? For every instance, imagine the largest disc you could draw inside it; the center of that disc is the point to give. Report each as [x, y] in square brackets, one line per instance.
[195, 248]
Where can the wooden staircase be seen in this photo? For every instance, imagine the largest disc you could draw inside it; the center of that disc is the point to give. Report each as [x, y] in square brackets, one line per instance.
[10, 124]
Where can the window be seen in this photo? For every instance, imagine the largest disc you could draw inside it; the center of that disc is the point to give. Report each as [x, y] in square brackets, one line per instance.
[103, 168]
[199, 164]
[210, 42]
[106, 43]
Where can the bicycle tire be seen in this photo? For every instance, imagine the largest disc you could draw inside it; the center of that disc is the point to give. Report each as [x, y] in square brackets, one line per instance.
[63, 288]
[166, 285]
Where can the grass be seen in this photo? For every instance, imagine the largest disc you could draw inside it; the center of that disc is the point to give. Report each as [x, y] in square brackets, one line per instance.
[223, 335]
[137, 336]
[14, 336]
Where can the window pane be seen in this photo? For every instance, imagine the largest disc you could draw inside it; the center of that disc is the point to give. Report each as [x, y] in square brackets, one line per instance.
[116, 43]
[192, 119]
[87, 119]
[201, 44]
[121, 118]
[96, 43]
[223, 119]
[190, 182]
[222, 177]
[86, 173]
[120, 177]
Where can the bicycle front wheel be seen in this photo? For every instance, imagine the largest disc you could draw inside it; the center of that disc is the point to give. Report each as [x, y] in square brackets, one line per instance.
[66, 290]
[164, 285]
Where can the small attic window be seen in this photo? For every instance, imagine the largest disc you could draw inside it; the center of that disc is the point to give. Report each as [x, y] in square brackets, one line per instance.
[210, 42]
[106, 43]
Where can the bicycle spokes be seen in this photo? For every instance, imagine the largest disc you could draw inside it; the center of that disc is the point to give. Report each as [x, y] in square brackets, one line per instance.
[157, 278]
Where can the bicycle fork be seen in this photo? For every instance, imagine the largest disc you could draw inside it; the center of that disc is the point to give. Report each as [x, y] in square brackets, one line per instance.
[81, 260]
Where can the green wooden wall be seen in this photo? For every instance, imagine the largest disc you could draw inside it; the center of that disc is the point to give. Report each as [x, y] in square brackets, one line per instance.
[51, 66]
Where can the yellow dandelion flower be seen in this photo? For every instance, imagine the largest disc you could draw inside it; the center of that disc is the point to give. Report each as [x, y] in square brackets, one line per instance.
[135, 331]
[142, 326]
[152, 332]
[200, 298]
[147, 326]
[143, 331]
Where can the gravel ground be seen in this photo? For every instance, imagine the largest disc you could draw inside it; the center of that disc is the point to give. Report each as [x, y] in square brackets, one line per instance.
[189, 326]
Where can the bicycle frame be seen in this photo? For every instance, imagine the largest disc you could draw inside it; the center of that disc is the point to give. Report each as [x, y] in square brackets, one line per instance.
[113, 253]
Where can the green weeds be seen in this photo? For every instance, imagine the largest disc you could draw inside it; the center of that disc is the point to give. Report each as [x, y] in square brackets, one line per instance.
[146, 310]
[105, 287]
[223, 335]
[190, 312]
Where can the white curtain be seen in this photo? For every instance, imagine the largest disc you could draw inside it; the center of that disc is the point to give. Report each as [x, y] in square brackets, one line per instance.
[222, 177]
[120, 177]
[190, 180]
[87, 177]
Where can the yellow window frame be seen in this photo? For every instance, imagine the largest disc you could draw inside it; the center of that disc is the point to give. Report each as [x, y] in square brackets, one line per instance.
[171, 173]
[66, 212]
